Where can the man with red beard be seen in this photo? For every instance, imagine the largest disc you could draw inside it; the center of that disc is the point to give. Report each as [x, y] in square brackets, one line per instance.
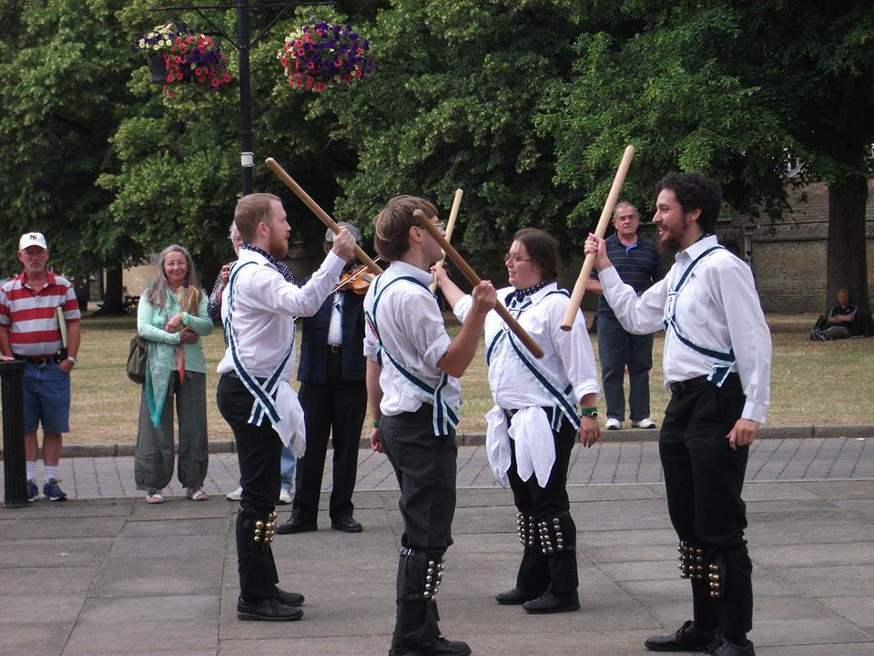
[717, 364]
[258, 309]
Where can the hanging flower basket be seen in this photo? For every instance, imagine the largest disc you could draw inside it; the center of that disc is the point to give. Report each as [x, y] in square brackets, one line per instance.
[178, 55]
[325, 54]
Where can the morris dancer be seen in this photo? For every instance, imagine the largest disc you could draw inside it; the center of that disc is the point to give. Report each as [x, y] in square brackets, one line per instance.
[717, 364]
[534, 425]
[412, 370]
[259, 306]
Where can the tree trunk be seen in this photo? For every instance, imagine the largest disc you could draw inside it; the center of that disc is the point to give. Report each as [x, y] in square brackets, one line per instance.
[847, 262]
[112, 300]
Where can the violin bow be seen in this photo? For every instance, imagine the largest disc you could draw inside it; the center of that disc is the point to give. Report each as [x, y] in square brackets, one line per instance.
[318, 211]
[352, 276]
[474, 280]
[453, 214]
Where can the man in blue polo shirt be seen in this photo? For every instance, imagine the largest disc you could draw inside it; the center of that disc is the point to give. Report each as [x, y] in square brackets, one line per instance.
[639, 264]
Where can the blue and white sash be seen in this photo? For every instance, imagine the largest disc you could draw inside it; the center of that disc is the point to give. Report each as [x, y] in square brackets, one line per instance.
[723, 359]
[445, 416]
[562, 397]
[264, 390]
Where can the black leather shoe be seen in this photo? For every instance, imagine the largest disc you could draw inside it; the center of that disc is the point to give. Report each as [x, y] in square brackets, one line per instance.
[726, 648]
[437, 647]
[294, 525]
[288, 598]
[553, 603]
[515, 597]
[347, 525]
[687, 638]
[269, 609]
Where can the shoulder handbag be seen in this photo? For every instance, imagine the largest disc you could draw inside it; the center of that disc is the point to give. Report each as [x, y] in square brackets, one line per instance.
[136, 359]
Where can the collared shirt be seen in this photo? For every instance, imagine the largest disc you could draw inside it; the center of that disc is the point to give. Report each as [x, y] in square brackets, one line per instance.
[639, 265]
[265, 306]
[718, 308]
[567, 359]
[411, 327]
[31, 314]
[567, 355]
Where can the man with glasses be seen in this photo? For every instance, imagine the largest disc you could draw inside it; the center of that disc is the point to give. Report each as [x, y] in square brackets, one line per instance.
[639, 264]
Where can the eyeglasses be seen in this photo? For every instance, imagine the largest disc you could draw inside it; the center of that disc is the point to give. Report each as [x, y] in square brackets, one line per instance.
[515, 259]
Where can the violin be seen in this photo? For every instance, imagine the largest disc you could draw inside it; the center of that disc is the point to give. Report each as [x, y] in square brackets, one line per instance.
[357, 280]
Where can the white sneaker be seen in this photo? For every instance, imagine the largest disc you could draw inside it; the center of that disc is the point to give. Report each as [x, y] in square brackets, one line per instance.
[613, 424]
[236, 495]
[644, 423]
[284, 497]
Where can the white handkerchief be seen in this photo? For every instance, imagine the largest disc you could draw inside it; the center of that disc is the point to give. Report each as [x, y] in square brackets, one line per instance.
[498, 444]
[291, 427]
[535, 448]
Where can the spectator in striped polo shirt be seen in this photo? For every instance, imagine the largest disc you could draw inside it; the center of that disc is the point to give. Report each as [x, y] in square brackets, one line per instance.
[34, 308]
[639, 264]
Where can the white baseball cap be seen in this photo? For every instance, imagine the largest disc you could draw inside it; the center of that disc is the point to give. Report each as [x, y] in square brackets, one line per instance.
[32, 239]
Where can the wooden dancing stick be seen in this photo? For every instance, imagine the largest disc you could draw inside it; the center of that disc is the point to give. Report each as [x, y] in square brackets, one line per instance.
[580, 286]
[318, 211]
[450, 227]
[474, 279]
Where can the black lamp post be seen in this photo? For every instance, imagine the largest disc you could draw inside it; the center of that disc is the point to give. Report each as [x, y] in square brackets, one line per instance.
[243, 46]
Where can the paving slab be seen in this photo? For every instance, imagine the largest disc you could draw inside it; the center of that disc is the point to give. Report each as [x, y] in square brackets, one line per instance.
[129, 578]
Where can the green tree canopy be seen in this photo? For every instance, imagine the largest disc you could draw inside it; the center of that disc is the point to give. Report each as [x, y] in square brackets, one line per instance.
[744, 91]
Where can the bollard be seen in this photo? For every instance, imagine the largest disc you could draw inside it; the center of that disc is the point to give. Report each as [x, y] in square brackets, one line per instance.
[14, 471]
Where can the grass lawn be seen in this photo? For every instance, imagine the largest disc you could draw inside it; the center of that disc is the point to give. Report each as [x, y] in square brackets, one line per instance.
[812, 382]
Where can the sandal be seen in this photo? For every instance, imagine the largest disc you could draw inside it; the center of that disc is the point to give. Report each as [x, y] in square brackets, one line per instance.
[197, 494]
[154, 496]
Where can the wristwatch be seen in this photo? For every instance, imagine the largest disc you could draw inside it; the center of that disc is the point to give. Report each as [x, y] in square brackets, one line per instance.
[589, 412]
[72, 359]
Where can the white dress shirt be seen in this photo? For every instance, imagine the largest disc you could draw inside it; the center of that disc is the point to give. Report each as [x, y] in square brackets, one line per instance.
[717, 308]
[412, 330]
[264, 310]
[567, 359]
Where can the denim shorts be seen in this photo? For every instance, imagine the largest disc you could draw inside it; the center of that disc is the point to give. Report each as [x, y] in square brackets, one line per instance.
[46, 392]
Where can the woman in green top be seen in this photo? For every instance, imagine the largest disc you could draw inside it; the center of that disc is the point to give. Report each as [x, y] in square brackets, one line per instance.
[172, 316]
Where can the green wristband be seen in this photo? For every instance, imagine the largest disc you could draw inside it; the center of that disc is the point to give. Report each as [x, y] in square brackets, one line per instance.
[588, 412]
[375, 424]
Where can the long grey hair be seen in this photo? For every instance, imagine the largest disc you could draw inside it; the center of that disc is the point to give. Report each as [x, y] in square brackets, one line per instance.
[156, 292]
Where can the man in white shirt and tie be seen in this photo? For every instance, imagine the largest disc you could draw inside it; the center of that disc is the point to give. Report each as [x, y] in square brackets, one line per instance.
[717, 364]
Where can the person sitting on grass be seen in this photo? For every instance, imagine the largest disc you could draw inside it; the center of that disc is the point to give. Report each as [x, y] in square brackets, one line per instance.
[841, 322]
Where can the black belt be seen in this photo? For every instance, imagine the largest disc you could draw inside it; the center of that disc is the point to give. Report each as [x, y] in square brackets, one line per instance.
[684, 386]
[549, 410]
[335, 348]
[56, 358]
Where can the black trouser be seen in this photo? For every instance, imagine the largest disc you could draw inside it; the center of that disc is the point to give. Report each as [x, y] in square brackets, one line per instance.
[335, 409]
[258, 452]
[425, 466]
[548, 506]
[704, 479]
